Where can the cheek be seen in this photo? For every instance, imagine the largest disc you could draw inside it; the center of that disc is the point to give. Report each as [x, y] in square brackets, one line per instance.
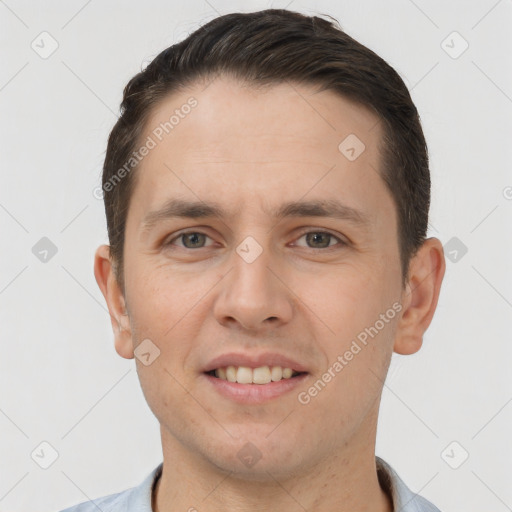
[346, 299]
[159, 299]
[158, 314]
[358, 309]
[167, 397]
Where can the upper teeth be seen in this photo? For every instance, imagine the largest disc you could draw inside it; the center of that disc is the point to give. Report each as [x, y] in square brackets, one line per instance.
[246, 375]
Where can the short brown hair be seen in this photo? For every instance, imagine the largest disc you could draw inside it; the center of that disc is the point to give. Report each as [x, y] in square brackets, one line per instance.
[270, 47]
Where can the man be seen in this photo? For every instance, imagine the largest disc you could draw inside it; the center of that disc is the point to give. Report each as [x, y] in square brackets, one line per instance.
[267, 193]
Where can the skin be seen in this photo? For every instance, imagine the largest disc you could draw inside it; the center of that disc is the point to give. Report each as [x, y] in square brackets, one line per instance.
[250, 150]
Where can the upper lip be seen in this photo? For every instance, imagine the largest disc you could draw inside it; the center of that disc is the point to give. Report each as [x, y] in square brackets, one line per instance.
[253, 361]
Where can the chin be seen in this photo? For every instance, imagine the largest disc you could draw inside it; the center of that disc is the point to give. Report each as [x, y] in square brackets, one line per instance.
[258, 460]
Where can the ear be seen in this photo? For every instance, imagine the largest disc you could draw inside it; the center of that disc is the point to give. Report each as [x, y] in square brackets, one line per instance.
[420, 296]
[105, 277]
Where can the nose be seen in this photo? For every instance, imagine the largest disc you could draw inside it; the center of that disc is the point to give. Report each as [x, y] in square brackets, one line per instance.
[254, 295]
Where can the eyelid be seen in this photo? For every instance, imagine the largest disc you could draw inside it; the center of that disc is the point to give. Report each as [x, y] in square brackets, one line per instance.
[304, 231]
[179, 234]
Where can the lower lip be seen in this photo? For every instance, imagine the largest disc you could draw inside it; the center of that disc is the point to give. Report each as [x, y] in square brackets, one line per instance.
[254, 393]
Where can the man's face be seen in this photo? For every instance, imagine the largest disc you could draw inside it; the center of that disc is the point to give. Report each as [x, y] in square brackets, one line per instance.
[297, 287]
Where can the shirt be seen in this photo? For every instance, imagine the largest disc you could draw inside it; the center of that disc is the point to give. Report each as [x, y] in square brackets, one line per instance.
[138, 499]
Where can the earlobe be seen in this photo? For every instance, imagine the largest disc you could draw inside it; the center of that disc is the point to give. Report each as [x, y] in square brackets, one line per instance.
[105, 277]
[420, 297]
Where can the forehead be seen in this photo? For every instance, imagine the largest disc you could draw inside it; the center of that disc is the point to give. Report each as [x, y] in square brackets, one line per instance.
[279, 116]
[231, 143]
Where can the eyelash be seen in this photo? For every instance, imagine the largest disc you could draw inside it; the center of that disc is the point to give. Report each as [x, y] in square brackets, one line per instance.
[341, 243]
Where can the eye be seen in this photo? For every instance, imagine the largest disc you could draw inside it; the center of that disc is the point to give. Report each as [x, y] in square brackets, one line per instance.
[314, 239]
[320, 239]
[190, 239]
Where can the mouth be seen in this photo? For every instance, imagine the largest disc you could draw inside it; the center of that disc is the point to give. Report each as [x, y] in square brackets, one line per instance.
[260, 376]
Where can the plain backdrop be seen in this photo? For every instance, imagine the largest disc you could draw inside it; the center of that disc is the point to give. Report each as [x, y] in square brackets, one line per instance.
[446, 412]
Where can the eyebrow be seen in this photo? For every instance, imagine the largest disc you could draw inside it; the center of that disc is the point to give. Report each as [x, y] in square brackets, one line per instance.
[178, 208]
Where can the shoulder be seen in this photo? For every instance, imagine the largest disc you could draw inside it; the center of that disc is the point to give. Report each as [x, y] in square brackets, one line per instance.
[112, 502]
[404, 499]
[136, 499]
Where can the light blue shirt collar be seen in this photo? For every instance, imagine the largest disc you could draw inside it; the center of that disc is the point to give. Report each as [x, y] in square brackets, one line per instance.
[138, 499]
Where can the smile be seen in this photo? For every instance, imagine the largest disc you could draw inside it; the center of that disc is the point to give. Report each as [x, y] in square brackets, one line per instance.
[260, 375]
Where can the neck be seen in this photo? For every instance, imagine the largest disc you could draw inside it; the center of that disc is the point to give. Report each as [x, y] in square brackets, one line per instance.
[343, 482]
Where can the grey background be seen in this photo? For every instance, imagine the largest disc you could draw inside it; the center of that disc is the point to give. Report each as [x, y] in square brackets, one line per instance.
[61, 381]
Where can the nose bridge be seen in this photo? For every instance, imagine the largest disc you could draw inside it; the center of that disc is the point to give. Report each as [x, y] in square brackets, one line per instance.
[251, 293]
[251, 272]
